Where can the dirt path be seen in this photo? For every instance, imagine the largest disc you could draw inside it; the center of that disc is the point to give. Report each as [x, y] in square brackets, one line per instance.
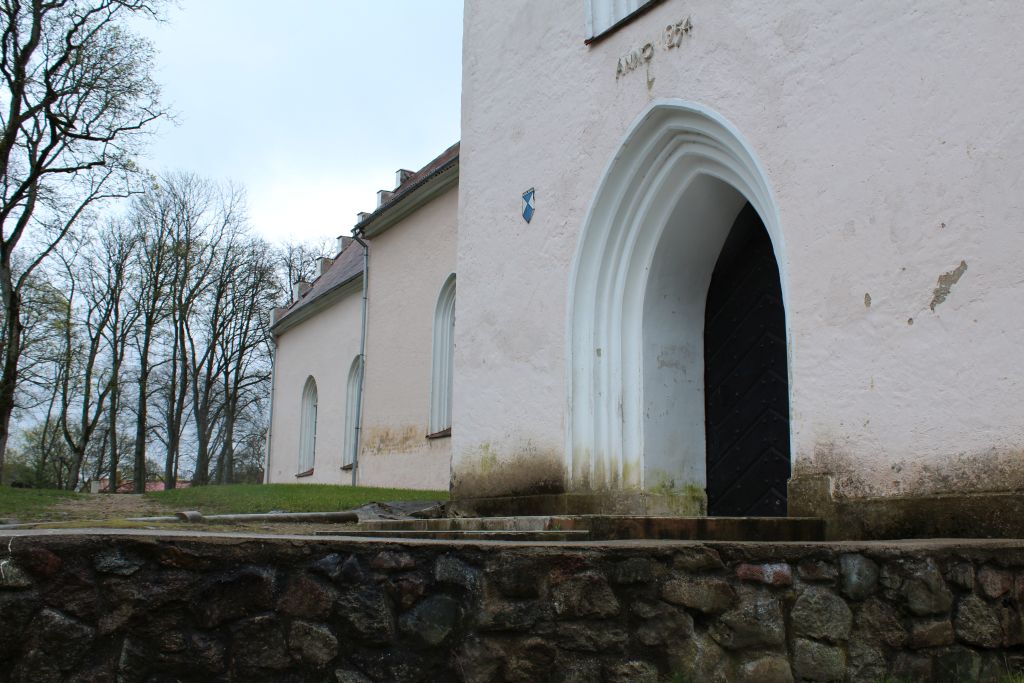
[106, 506]
[108, 511]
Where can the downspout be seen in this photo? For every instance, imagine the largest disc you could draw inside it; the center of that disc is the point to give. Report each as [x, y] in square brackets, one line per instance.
[356, 235]
[270, 426]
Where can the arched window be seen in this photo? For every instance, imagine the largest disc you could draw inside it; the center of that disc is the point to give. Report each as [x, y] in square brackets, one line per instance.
[307, 427]
[443, 362]
[351, 411]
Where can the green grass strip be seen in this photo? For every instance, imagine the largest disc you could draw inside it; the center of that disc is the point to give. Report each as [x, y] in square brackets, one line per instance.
[25, 505]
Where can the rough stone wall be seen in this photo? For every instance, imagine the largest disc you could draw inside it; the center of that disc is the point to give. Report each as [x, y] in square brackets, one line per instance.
[162, 608]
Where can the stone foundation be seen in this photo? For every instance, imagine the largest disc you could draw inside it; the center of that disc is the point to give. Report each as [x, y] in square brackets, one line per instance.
[159, 607]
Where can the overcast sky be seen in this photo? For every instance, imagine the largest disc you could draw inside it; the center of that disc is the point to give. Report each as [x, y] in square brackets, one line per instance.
[312, 105]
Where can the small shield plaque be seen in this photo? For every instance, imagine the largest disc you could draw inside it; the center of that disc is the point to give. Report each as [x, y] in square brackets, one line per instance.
[528, 207]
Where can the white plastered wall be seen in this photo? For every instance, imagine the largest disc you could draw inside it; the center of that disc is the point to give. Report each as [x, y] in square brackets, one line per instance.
[409, 263]
[890, 138]
[322, 346]
[674, 442]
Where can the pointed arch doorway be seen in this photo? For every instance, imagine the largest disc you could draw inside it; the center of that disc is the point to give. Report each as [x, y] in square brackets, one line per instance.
[643, 277]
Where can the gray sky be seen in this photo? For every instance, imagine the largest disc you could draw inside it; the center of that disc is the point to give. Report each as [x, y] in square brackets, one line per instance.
[312, 105]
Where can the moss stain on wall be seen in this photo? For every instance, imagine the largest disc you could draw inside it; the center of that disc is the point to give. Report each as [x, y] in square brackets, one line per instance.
[529, 471]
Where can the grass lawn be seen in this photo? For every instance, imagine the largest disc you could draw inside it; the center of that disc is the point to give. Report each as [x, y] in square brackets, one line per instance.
[242, 498]
[23, 504]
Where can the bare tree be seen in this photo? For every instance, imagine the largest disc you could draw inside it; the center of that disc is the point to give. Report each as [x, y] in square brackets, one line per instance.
[154, 216]
[119, 245]
[244, 348]
[97, 329]
[300, 260]
[204, 219]
[203, 335]
[43, 314]
[76, 93]
[177, 296]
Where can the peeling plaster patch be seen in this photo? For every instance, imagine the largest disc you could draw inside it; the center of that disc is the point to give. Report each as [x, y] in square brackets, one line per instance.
[867, 300]
[385, 440]
[945, 283]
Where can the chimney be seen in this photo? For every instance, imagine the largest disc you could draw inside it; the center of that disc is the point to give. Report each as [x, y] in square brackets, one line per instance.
[325, 264]
[342, 242]
[299, 289]
[383, 197]
[401, 175]
[276, 314]
[362, 216]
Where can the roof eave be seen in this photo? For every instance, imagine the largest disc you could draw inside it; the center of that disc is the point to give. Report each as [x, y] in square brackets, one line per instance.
[428, 189]
[323, 301]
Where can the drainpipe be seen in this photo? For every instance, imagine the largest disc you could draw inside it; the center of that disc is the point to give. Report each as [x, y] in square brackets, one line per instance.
[270, 426]
[357, 236]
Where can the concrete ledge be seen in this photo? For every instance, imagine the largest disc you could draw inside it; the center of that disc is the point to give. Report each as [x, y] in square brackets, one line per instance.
[682, 504]
[616, 527]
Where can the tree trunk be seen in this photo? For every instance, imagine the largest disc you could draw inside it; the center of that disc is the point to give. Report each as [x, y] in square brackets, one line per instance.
[172, 419]
[12, 354]
[112, 427]
[227, 458]
[140, 424]
[75, 467]
[201, 476]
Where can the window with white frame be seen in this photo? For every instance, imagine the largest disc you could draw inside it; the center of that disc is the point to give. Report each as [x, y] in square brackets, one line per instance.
[355, 372]
[307, 427]
[602, 15]
[442, 374]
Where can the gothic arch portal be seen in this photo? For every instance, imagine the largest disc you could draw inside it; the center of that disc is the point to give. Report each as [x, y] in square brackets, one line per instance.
[638, 289]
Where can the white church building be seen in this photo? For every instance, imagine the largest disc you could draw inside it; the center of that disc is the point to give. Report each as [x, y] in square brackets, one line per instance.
[373, 408]
[771, 266]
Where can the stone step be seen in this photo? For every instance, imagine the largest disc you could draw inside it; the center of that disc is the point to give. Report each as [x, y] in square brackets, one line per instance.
[621, 527]
[537, 523]
[464, 535]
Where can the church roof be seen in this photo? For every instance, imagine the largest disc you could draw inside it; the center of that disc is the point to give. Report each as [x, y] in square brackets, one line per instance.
[396, 207]
[347, 266]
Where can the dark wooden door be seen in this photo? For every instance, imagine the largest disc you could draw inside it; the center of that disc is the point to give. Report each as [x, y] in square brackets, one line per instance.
[746, 390]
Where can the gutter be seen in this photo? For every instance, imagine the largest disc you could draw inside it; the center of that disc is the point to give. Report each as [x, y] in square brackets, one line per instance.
[357, 235]
[270, 425]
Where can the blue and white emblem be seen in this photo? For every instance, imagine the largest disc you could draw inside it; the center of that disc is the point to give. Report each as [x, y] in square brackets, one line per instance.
[528, 207]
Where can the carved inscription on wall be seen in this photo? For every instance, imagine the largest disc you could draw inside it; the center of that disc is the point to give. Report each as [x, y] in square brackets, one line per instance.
[671, 38]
